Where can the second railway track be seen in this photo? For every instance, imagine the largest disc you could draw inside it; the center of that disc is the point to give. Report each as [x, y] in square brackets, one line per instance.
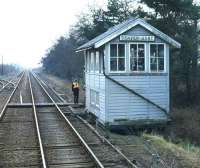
[18, 143]
[42, 136]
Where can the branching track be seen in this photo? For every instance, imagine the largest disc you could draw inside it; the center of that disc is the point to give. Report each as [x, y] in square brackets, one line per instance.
[34, 135]
[19, 143]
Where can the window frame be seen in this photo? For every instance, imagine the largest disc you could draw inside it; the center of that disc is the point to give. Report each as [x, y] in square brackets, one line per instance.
[125, 56]
[165, 59]
[100, 63]
[87, 62]
[97, 94]
[92, 100]
[145, 57]
[92, 62]
[94, 94]
[97, 67]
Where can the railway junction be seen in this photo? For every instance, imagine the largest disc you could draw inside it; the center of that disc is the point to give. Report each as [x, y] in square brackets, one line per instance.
[39, 129]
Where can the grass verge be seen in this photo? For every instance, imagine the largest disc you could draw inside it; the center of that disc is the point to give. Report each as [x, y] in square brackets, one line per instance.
[183, 154]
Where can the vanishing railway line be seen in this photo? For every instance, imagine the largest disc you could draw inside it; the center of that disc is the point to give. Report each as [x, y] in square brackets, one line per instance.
[35, 132]
[19, 145]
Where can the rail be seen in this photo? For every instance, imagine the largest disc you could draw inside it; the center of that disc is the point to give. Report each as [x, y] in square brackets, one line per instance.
[59, 97]
[8, 100]
[97, 161]
[8, 83]
[98, 135]
[1, 83]
[37, 125]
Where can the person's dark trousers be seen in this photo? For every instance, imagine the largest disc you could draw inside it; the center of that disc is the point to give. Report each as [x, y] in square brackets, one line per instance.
[76, 99]
[76, 95]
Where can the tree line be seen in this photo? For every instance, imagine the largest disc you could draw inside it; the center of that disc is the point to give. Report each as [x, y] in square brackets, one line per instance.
[7, 69]
[178, 19]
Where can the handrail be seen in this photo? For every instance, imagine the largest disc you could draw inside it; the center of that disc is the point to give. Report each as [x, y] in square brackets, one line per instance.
[133, 91]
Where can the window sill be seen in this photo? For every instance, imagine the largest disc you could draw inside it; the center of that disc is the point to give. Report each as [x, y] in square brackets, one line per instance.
[95, 106]
[93, 73]
[139, 74]
[116, 72]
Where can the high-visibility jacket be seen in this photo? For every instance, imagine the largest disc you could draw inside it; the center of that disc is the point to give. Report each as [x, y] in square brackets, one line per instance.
[75, 85]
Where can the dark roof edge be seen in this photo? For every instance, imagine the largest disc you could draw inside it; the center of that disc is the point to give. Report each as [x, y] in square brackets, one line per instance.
[115, 31]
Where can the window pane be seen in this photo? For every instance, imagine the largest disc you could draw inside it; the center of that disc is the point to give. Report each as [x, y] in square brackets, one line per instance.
[94, 64]
[113, 64]
[137, 57]
[121, 50]
[153, 60]
[133, 57]
[100, 63]
[154, 64]
[134, 65]
[86, 65]
[133, 50]
[153, 50]
[157, 57]
[154, 67]
[141, 64]
[113, 50]
[141, 50]
[97, 98]
[160, 50]
[121, 64]
[161, 64]
[88, 61]
[92, 97]
[97, 61]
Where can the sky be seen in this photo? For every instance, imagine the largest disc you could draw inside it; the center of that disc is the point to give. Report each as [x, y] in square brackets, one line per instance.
[29, 27]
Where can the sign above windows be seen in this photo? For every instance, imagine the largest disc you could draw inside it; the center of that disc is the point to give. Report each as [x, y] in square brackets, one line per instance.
[136, 38]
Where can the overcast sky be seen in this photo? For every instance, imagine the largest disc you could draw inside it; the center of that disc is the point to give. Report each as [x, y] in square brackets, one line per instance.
[29, 27]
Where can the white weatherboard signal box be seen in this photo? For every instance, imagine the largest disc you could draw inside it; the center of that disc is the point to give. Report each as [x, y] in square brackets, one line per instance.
[127, 74]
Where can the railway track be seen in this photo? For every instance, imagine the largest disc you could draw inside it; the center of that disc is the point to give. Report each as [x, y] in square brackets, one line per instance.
[6, 92]
[19, 144]
[63, 145]
[43, 136]
[102, 148]
[40, 136]
[9, 83]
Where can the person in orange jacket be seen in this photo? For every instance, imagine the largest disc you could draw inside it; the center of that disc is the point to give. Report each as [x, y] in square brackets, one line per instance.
[75, 90]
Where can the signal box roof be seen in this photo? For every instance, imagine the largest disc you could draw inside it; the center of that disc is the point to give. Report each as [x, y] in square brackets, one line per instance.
[119, 29]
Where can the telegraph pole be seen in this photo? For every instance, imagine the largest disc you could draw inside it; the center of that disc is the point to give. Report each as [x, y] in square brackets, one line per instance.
[2, 65]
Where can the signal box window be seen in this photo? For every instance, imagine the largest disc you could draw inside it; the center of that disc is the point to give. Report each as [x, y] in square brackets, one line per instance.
[157, 57]
[137, 57]
[117, 57]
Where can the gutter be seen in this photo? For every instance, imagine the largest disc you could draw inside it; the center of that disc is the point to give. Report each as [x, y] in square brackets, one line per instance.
[83, 49]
